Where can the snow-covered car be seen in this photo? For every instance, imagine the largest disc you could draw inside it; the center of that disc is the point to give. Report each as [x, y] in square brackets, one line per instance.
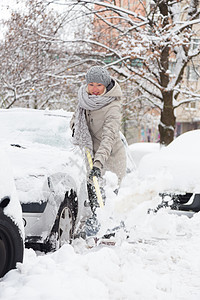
[11, 224]
[138, 150]
[174, 171]
[49, 173]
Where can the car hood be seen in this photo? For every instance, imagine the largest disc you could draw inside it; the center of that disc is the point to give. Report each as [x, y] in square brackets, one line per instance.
[33, 164]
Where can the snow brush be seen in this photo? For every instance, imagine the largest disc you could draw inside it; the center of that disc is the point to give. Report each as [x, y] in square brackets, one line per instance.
[95, 181]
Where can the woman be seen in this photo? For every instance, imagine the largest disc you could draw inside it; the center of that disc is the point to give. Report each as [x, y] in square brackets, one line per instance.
[96, 123]
[95, 126]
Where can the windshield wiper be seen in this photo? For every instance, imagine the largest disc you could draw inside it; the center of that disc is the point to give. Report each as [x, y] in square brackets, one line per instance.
[17, 145]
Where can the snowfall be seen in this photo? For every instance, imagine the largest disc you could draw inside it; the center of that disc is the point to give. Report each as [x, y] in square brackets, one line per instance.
[160, 260]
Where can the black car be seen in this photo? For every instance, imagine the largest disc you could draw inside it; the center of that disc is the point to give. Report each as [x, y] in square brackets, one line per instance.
[11, 223]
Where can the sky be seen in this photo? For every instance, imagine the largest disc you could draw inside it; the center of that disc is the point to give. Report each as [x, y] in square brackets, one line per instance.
[6, 8]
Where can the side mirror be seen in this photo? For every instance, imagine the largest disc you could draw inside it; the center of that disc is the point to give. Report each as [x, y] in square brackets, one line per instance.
[4, 202]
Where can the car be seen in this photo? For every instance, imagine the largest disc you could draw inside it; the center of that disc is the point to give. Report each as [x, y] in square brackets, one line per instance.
[11, 224]
[138, 150]
[174, 170]
[49, 173]
[130, 161]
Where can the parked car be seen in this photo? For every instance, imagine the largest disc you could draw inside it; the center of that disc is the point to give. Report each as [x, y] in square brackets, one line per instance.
[175, 170]
[49, 173]
[11, 224]
[138, 150]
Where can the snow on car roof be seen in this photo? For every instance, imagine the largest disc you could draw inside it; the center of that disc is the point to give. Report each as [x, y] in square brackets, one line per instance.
[175, 167]
[138, 150]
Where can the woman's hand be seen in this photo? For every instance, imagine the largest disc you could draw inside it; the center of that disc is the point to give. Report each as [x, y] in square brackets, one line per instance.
[95, 172]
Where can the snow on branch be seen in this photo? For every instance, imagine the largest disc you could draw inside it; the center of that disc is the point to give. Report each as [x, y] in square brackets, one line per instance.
[191, 97]
[112, 7]
[187, 100]
[147, 99]
[166, 127]
[183, 25]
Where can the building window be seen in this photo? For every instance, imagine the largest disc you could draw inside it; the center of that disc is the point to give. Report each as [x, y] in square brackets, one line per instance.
[172, 66]
[191, 105]
[195, 43]
[192, 73]
[136, 62]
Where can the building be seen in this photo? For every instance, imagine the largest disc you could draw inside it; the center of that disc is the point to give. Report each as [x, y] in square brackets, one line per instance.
[187, 115]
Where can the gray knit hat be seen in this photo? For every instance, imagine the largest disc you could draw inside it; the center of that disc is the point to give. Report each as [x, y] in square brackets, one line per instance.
[99, 75]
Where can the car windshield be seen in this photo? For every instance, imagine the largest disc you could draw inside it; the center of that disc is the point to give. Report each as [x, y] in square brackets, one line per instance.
[22, 126]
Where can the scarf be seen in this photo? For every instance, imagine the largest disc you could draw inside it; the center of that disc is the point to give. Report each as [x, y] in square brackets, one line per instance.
[82, 136]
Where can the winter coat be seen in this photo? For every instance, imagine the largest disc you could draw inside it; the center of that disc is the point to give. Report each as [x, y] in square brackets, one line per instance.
[104, 126]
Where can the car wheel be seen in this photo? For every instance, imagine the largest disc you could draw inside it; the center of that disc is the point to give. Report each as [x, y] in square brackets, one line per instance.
[11, 244]
[63, 229]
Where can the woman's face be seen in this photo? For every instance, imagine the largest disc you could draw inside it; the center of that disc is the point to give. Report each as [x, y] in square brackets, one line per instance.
[95, 88]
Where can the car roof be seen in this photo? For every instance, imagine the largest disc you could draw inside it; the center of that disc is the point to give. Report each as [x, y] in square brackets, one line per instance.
[175, 167]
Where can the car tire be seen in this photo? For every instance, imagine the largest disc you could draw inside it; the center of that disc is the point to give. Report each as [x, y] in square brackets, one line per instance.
[11, 244]
[63, 229]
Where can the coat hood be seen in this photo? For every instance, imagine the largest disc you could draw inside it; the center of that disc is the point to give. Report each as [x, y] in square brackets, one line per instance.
[115, 91]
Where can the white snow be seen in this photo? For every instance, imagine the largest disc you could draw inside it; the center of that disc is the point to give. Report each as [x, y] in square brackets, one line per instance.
[162, 260]
[8, 189]
[138, 150]
[175, 167]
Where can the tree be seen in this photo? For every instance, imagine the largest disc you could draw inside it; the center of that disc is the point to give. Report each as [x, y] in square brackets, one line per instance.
[36, 72]
[139, 117]
[150, 45]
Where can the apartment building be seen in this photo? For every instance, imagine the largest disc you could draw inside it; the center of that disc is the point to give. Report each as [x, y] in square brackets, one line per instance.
[187, 115]
[107, 24]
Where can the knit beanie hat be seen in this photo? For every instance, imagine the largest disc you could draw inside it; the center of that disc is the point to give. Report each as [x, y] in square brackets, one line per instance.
[99, 75]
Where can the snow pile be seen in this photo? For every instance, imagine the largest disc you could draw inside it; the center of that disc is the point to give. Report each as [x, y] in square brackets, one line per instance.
[164, 265]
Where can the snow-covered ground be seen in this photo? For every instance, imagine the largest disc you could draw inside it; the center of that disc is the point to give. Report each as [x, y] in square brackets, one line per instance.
[160, 261]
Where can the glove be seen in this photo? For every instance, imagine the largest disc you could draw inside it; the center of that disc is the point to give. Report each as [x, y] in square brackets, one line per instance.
[95, 172]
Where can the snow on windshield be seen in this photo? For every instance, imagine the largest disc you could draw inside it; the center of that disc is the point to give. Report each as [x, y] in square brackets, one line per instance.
[43, 127]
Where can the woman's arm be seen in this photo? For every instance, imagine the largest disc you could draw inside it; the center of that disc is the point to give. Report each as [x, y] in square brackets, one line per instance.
[110, 133]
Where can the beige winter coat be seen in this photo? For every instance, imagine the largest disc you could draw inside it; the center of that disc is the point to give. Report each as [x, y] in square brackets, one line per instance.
[104, 126]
